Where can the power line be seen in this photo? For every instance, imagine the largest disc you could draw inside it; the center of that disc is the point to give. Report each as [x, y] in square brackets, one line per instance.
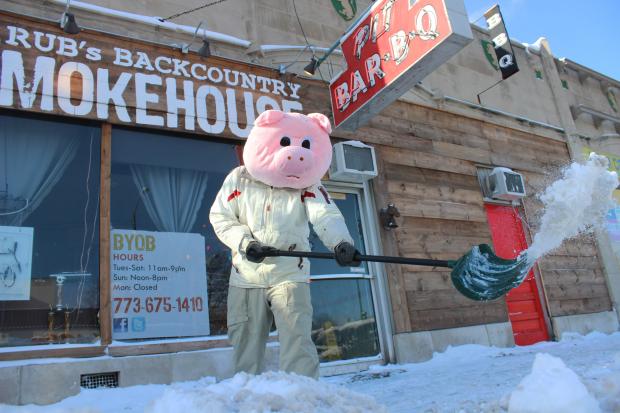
[174, 16]
[304, 33]
[300, 26]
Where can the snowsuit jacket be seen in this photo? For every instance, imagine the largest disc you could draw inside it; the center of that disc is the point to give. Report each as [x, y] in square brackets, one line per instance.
[246, 209]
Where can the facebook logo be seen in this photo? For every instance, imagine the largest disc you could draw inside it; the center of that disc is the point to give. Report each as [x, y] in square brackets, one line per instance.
[138, 324]
[120, 325]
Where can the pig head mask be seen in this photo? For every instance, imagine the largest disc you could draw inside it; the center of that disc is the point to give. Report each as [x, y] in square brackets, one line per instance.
[288, 150]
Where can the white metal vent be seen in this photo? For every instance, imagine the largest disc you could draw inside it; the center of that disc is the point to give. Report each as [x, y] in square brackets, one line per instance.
[484, 180]
[94, 381]
[506, 184]
[353, 161]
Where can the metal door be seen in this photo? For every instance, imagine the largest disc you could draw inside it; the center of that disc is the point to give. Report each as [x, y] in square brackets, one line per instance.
[524, 308]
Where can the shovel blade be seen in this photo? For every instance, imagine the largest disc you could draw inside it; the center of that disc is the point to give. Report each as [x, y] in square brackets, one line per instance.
[481, 275]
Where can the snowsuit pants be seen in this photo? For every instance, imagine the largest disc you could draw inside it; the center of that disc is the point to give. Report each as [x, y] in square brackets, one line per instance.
[251, 313]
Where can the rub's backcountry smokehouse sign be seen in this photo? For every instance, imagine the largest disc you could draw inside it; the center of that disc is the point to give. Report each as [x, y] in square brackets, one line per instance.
[96, 76]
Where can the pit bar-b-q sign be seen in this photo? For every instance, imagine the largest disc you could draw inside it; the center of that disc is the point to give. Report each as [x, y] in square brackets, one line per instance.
[394, 46]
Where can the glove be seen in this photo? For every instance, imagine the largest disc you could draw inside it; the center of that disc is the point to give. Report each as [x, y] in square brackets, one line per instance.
[345, 255]
[255, 251]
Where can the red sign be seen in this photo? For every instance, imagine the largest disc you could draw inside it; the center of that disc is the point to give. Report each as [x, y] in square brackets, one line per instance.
[394, 46]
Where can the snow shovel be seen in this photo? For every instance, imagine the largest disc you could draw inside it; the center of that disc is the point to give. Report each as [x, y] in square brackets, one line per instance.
[479, 275]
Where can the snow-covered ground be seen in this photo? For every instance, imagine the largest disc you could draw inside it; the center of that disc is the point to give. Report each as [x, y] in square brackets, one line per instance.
[579, 374]
[576, 375]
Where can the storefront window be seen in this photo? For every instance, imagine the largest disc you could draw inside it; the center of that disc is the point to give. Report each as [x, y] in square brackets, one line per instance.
[344, 325]
[169, 271]
[49, 231]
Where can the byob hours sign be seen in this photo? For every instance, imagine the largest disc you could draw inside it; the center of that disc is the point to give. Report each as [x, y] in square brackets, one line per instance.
[159, 285]
[392, 48]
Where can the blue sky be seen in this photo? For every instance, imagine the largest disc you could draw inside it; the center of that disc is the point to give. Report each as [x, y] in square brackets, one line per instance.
[586, 32]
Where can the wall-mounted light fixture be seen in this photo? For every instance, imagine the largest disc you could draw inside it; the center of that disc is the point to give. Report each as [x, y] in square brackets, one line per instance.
[67, 21]
[387, 217]
[205, 50]
[311, 67]
[283, 68]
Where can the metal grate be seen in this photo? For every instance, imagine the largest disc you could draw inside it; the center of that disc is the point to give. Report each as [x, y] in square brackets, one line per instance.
[94, 381]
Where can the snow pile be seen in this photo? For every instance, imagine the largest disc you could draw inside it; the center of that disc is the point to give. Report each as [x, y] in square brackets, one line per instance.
[269, 392]
[575, 203]
[604, 384]
[551, 387]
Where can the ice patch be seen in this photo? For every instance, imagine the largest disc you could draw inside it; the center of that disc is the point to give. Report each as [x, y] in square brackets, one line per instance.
[551, 387]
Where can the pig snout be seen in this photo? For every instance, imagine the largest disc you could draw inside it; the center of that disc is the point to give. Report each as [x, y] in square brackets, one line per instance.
[294, 161]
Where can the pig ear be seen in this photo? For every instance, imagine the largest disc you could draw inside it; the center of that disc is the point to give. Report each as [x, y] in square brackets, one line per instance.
[269, 117]
[322, 121]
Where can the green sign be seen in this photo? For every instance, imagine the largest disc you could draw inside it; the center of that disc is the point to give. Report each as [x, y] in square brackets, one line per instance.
[489, 53]
[345, 8]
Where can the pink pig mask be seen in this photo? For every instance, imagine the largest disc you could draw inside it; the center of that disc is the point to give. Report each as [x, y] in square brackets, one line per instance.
[288, 150]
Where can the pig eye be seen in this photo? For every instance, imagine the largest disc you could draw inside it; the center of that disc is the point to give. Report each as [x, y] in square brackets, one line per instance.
[285, 141]
[306, 143]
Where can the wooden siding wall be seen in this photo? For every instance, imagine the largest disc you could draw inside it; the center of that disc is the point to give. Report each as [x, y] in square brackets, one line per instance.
[427, 166]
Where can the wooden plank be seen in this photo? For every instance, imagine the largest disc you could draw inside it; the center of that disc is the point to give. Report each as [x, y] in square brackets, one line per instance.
[451, 150]
[516, 162]
[582, 290]
[433, 256]
[457, 137]
[552, 156]
[559, 308]
[73, 352]
[395, 122]
[563, 263]
[437, 118]
[570, 277]
[428, 161]
[540, 144]
[430, 176]
[441, 299]
[105, 308]
[391, 138]
[422, 208]
[434, 192]
[444, 226]
[172, 347]
[582, 246]
[438, 279]
[413, 244]
[425, 320]
[398, 297]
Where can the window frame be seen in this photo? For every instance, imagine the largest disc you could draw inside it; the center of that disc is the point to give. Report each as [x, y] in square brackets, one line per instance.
[375, 274]
[98, 347]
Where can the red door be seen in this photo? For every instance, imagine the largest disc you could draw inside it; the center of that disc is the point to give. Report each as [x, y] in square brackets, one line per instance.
[524, 308]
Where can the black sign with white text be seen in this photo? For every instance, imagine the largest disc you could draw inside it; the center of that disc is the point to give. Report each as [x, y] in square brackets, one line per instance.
[501, 42]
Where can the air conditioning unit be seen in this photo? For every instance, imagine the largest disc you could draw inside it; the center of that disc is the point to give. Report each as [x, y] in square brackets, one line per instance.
[353, 161]
[506, 184]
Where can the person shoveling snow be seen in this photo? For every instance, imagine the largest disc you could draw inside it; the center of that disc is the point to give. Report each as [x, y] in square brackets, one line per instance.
[574, 204]
[266, 204]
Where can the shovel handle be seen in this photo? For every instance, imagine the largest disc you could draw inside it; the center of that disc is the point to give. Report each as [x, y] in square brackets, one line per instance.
[359, 257]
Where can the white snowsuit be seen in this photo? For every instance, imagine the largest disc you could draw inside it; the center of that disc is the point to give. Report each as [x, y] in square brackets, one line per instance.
[245, 210]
